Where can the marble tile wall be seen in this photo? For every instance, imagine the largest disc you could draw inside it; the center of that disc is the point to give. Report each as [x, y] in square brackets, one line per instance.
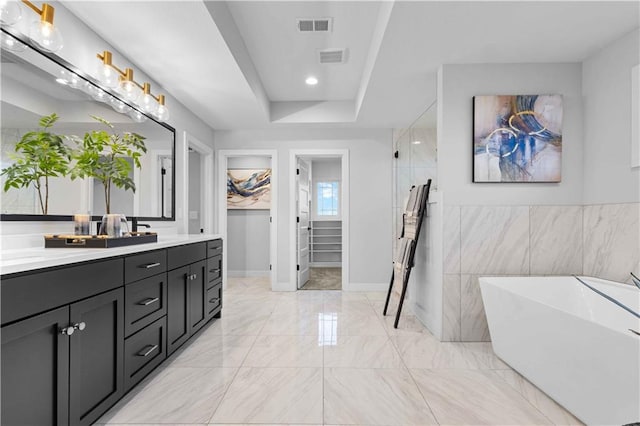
[598, 240]
[612, 241]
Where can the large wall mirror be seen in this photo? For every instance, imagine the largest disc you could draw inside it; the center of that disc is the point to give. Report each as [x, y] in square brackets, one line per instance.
[36, 84]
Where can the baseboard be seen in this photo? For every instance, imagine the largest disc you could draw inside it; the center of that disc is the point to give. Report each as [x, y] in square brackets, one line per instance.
[368, 287]
[325, 264]
[248, 273]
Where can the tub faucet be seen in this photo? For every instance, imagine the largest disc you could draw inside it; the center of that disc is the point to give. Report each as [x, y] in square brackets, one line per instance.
[635, 280]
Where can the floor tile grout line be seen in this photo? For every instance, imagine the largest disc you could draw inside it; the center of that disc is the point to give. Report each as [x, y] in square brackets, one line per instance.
[418, 387]
[237, 372]
[524, 397]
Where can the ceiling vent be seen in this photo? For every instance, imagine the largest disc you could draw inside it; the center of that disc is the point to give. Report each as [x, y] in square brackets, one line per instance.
[314, 25]
[332, 56]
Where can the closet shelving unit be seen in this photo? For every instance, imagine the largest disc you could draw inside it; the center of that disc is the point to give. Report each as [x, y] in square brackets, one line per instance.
[326, 243]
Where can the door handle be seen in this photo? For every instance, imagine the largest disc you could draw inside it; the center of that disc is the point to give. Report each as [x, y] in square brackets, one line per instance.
[147, 350]
[147, 302]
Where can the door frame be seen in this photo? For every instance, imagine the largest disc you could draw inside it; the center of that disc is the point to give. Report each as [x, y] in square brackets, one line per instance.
[343, 154]
[221, 185]
[206, 191]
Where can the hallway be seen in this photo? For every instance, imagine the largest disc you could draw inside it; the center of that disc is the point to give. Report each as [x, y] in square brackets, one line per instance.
[327, 357]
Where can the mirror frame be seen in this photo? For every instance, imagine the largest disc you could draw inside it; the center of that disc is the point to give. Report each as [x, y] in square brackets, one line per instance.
[7, 217]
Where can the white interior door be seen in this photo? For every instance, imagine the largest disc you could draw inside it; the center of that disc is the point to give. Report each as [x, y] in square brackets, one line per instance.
[302, 202]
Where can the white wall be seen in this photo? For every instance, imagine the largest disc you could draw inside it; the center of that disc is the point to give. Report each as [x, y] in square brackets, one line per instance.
[194, 193]
[457, 84]
[324, 170]
[370, 190]
[248, 230]
[606, 91]
[81, 45]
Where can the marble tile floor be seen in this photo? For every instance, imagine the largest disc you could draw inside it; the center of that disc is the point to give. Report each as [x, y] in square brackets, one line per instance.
[329, 358]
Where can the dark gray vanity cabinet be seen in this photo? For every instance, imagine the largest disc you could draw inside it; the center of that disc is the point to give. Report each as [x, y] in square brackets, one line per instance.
[187, 310]
[64, 366]
[96, 356]
[76, 338]
[35, 370]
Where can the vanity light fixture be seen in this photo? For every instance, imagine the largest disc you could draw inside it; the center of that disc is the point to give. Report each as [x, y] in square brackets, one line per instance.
[43, 32]
[113, 77]
[416, 142]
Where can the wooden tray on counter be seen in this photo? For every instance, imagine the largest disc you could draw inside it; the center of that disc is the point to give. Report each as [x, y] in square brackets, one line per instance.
[98, 241]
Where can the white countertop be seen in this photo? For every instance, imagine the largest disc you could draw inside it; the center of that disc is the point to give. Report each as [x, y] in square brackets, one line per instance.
[12, 261]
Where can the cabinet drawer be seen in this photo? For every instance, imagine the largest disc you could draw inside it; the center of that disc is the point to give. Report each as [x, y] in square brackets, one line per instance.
[214, 248]
[184, 255]
[145, 302]
[144, 265]
[144, 351]
[214, 269]
[30, 294]
[214, 300]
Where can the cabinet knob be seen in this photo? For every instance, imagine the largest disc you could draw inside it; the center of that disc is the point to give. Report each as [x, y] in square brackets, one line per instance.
[67, 331]
[80, 326]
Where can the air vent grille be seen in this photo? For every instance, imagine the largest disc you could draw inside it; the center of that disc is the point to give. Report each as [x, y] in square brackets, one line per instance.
[314, 25]
[332, 56]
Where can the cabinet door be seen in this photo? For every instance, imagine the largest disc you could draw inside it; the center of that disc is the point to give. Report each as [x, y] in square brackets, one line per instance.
[197, 293]
[177, 308]
[35, 370]
[97, 356]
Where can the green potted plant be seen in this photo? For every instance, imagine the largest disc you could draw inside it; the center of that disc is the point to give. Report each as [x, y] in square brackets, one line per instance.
[41, 154]
[103, 155]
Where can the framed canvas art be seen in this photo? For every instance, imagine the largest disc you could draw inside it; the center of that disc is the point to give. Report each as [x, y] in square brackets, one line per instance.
[249, 189]
[517, 138]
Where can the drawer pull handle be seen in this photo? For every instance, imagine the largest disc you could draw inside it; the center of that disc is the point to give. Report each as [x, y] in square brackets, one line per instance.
[214, 300]
[214, 270]
[147, 302]
[150, 265]
[146, 351]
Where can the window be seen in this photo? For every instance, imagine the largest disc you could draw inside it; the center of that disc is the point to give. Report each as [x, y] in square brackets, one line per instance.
[327, 198]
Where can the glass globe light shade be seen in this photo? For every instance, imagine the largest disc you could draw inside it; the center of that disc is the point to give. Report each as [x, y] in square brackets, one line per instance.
[118, 105]
[137, 116]
[74, 81]
[162, 113]
[99, 95]
[10, 12]
[108, 76]
[129, 90]
[148, 103]
[12, 44]
[46, 36]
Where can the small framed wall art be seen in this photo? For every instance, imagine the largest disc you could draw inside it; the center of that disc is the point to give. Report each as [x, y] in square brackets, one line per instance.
[249, 189]
[517, 138]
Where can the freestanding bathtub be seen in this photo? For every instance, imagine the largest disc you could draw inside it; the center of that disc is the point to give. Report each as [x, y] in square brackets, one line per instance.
[570, 342]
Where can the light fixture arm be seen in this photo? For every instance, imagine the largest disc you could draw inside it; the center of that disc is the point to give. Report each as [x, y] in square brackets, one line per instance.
[46, 13]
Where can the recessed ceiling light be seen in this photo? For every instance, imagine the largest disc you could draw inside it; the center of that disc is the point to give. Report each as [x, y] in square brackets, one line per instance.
[311, 81]
[416, 142]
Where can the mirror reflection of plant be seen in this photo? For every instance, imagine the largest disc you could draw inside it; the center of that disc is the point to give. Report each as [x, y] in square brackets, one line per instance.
[41, 154]
[103, 156]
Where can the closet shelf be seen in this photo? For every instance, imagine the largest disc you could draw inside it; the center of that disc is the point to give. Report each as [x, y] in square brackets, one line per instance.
[326, 242]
